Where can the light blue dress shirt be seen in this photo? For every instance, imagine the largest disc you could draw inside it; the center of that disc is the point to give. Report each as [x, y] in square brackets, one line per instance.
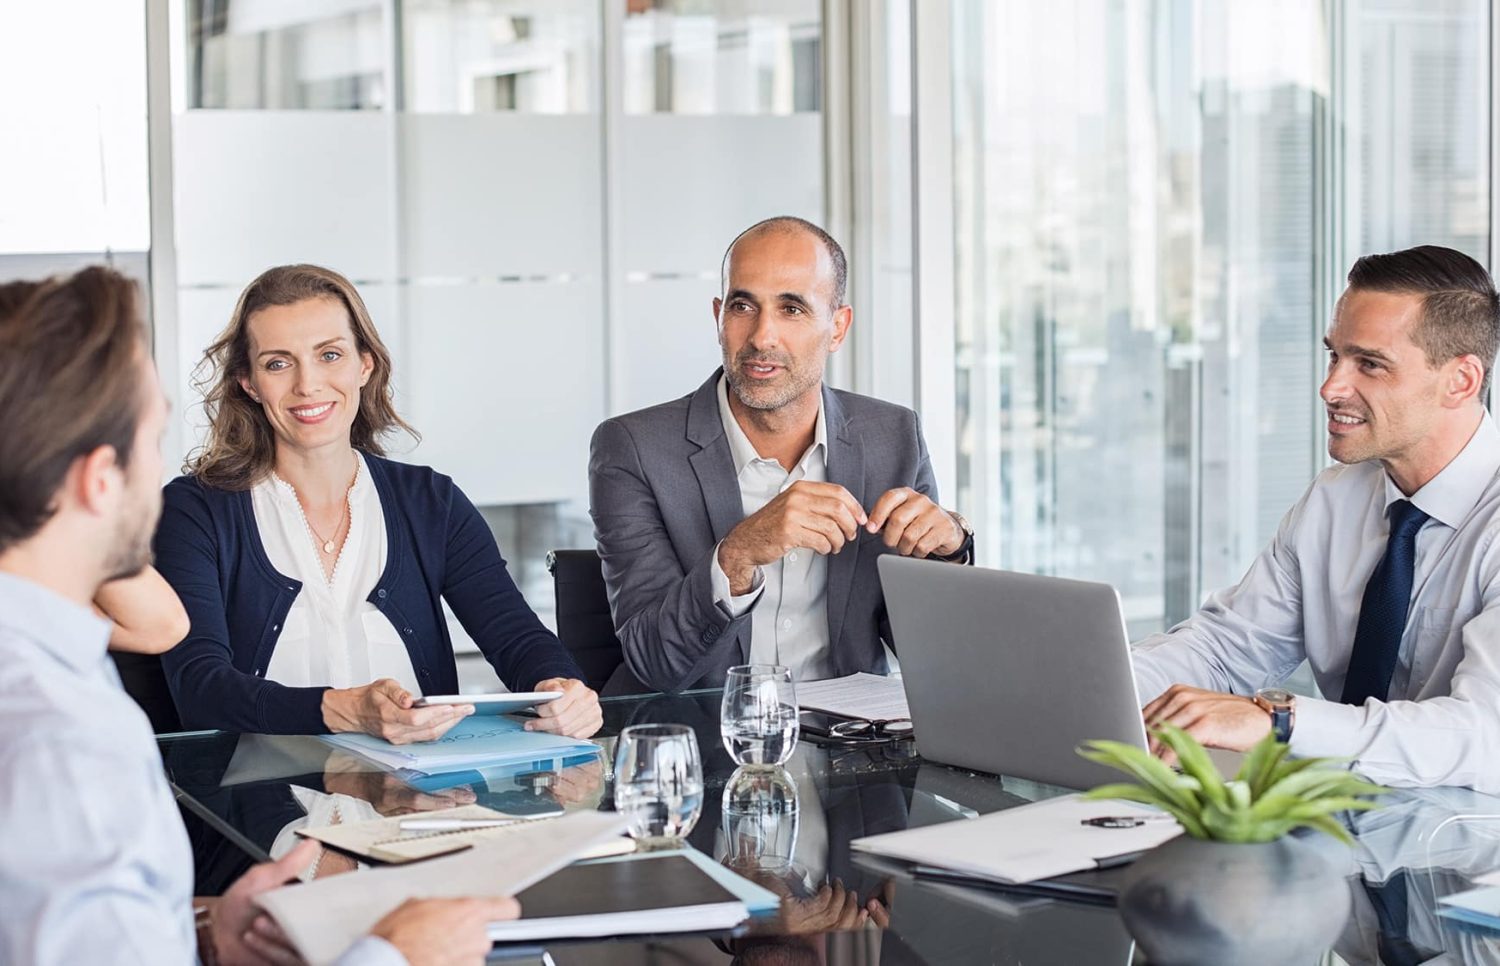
[95, 866]
[1440, 724]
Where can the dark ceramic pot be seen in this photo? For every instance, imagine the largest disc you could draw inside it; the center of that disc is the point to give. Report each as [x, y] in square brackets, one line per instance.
[1192, 902]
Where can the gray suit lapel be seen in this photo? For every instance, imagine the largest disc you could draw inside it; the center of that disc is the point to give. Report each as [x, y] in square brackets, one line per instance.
[846, 467]
[713, 463]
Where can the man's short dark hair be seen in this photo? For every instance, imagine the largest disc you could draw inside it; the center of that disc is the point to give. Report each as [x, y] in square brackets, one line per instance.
[1460, 308]
[789, 223]
[70, 382]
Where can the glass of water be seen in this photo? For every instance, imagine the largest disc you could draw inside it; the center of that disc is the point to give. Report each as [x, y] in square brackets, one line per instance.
[658, 783]
[758, 719]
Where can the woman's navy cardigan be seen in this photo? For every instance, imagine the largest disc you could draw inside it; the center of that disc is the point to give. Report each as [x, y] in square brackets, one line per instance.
[439, 548]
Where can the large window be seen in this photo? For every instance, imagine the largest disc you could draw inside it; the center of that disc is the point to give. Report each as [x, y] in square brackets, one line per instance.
[1155, 204]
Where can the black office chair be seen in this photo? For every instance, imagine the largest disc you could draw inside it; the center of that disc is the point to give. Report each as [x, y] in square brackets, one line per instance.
[145, 681]
[584, 623]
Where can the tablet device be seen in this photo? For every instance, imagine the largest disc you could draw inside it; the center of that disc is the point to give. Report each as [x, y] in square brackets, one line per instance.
[491, 703]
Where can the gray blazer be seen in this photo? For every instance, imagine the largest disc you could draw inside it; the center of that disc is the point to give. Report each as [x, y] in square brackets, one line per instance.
[663, 493]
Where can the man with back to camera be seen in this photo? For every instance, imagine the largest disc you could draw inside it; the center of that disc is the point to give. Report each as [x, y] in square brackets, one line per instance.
[1385, 576]
[97, 866]
[741, 523]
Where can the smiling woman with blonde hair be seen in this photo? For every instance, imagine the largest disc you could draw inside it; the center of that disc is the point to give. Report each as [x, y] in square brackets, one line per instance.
[312, 567]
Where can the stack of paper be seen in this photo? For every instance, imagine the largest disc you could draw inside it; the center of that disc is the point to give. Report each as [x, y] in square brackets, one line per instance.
[1028, 843]
[325, 916]
[871, 697]
[1477, 907]
[382, 838]
[476, 740]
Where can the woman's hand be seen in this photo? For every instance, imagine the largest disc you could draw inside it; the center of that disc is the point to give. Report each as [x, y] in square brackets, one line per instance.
[576, 714]
[384, 709]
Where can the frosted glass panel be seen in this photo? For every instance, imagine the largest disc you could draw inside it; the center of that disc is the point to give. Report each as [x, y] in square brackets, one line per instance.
[507, 384]
[693, 183]
[670, 344]
[262, 188]
[502, 195]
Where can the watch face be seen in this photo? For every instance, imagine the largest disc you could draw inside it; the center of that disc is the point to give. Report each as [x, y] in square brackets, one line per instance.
[1276, 695]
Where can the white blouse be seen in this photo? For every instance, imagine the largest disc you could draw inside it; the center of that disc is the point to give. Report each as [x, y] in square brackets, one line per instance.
[333, 636]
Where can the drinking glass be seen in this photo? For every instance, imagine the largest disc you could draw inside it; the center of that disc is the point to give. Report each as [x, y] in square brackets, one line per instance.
[658, 783]
[760, 819]
[758, 719]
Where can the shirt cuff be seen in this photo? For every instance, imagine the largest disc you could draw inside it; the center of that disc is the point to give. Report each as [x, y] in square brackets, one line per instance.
[1327, 729]
[731, 605]
[371, 951]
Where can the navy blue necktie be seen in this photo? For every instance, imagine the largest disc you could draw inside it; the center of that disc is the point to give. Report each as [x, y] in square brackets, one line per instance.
[1382, 615]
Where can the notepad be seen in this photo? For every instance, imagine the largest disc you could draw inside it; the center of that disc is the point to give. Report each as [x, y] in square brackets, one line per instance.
[382, 839]
[325, 916]
[871, 697]
[477, 740]
[644, 893]
[1477, 907]
[1024, 844]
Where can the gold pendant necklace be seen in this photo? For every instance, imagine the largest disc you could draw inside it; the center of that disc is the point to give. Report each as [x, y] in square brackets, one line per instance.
[329, 544]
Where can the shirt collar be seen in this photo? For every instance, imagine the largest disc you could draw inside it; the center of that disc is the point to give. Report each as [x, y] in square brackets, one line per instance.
[742, 450]
[1455, 491]
[72, 634]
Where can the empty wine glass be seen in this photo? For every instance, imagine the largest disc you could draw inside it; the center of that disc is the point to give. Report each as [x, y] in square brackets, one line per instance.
[758, 719]
[658, 783]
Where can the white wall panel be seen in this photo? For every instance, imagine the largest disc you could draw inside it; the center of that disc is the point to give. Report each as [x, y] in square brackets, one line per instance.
[693, 182]
[502, 194]
[506, 383]
[262, 188]
[670, 344]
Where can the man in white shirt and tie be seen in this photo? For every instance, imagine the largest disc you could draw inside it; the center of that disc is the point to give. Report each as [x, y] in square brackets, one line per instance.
[1385, 576]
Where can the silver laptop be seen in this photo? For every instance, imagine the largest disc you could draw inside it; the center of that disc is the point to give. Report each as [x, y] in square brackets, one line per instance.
[1008, 673]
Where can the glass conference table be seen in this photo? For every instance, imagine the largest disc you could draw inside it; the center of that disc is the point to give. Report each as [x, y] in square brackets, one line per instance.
[243, 795]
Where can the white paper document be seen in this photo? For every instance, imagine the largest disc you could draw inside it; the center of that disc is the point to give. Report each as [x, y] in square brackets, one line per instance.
[383, 839]
[873, 697]
[1027, 843]
[325, 916]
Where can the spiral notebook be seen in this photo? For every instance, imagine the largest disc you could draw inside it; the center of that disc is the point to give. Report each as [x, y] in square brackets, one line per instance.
[382, 839]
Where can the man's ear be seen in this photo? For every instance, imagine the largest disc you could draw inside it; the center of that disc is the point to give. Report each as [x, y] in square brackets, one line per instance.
[96, 480]
[1465, 381]
[843, 317]
[718, 304]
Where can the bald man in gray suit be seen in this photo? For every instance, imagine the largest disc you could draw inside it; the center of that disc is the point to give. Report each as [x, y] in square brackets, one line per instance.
[741, 523]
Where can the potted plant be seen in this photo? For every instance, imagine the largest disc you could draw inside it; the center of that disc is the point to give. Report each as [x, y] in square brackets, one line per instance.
[1236, 889]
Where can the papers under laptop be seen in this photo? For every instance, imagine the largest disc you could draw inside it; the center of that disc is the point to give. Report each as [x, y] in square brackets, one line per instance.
[872, 697]
[1027, 843]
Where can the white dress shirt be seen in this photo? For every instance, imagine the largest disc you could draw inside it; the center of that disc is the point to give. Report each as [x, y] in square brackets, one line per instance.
[96, 866]
[789, 622]
[1301, 599]
[333, 636]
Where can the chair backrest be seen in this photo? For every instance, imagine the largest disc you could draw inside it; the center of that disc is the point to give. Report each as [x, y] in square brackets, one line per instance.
[144, 680]
[584, 623]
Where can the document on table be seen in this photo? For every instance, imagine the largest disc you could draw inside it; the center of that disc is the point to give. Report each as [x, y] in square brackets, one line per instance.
[872, 697]
[383, 840]
[478, 739]
[325, 916]
[1477, 907]
[1028, 843]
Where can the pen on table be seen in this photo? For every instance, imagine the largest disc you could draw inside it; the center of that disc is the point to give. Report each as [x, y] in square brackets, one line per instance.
[453, 824]
[1124, 821]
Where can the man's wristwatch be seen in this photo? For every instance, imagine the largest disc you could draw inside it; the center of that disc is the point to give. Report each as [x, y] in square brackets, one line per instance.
[965, 551]
[1281, 705]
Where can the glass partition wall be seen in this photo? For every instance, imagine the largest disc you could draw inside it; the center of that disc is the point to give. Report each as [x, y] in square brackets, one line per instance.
[1155, 204]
